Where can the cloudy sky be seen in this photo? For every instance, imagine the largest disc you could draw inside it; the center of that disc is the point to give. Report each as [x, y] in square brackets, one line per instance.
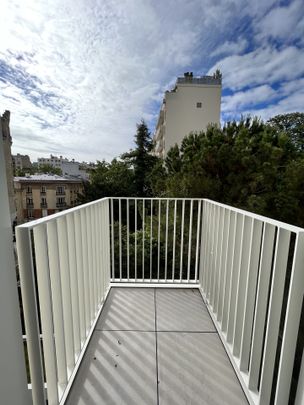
[78, 74]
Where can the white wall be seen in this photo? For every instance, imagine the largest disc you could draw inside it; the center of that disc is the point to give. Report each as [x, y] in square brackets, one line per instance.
[182, 115]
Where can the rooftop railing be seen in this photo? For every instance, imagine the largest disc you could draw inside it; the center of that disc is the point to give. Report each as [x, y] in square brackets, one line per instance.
[200, 80]
[249, 269]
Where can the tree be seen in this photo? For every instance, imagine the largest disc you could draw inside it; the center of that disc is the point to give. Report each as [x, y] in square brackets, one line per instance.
[142, 160]
[293, 125]
[247, 164]
[115, 179]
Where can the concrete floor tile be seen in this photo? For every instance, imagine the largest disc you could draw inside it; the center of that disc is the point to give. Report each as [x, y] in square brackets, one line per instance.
[118, 368]
[181, 310]
[194, 369]
[128, 309]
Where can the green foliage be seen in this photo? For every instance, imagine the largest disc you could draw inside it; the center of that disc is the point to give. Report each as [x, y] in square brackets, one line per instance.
[129, 176]
[49, 169]
[293, 125]
[142, 161]
[250, 165]
[41, 169]
[115, 179]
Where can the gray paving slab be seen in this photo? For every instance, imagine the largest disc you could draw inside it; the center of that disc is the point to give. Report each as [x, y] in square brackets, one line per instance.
[181, 310]
[128, 309]
[193, 368]
[118, 368]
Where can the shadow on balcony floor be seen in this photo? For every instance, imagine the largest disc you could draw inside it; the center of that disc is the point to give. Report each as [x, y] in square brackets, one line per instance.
[155, 346]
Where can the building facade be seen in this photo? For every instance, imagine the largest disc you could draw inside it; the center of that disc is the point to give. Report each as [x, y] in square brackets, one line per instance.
[193, 104]
[67, 167]
[40, 195]
[21, 162]
[5, 136]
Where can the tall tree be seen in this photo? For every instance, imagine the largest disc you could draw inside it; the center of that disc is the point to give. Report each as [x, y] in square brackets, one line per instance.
[142, 160]
[293, 125]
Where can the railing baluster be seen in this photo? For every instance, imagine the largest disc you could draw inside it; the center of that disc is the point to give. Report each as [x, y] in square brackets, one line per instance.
[135, 249]
[158, 238]
[198, 228]
[94, 254]
[143, 242]
[120, 242]
[182, 243]
[250, 293]
[112, 235]
[189, 241]
[218, 255]
[46, 315]
[261, 305]
[89, 261]
[29, 302]
[205, 246]
[234, 276]
[74, 281]
[66, 293]
[292, 322]
[166, 242]
[57, 302]
[151, 232]
[228, 269]
[224, 238]
[174, 241]
[128, 242]
[274, 313]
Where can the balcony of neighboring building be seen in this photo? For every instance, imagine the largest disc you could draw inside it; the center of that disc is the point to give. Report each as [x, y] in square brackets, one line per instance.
[162, 301]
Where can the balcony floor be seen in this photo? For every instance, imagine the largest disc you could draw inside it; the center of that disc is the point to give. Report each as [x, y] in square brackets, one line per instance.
[155, 346]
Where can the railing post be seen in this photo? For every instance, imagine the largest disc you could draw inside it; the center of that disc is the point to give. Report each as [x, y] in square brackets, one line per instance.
[13, 382]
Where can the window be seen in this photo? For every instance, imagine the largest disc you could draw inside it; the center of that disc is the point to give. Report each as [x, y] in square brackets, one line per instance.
[43, 189]
[44, 213]
[60, 201]
[30, 214]
[29, 201]
[29, 189]
[43, 201]
[60, 190]
[198, 105]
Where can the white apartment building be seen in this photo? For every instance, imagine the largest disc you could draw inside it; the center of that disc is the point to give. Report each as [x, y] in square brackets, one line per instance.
[193, 104]
[67, 167]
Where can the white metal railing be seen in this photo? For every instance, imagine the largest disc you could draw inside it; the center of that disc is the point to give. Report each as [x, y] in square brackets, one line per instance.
[250, 271]
[252, 279]
[64, 265]
[155, 240]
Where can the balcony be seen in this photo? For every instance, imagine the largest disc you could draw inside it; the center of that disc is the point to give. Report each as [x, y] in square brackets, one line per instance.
[61, 204]
[60, 192]
[43, 205]
[170, 301]
[29, 205]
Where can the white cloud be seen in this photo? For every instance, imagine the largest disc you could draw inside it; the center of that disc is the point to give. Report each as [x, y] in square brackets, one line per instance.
[230, 47]
[284, 22]
[263, 65]
[78, 74]
[244, 99]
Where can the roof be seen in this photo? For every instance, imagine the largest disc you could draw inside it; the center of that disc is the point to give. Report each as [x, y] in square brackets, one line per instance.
[45, 178]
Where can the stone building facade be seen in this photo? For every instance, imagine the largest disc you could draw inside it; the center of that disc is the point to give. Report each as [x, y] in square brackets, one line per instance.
[7, 143]
[43, 194]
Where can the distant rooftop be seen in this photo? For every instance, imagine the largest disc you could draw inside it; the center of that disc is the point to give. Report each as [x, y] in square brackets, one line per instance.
[215, 79]
[45, 178]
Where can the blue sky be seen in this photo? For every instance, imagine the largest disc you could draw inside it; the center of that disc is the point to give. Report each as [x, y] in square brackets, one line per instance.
[78, 74]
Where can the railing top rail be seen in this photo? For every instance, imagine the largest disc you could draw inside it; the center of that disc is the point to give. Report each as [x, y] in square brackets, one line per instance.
[289, 227]
[44, 220]
[157, 198]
